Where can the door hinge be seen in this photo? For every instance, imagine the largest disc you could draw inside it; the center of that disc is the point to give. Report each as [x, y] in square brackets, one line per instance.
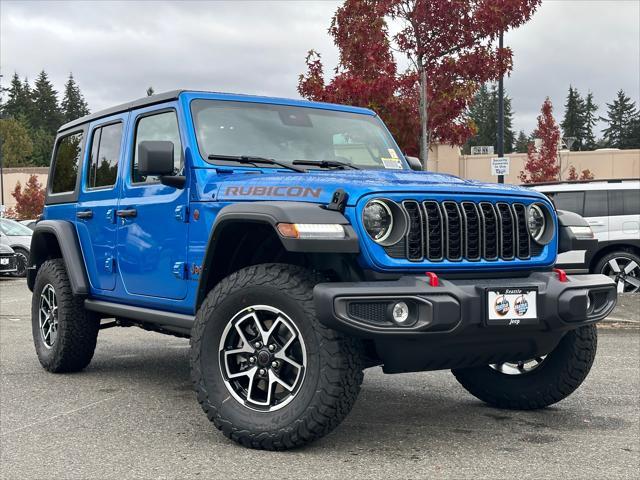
[110, 214]
[182, 213]
[180, 270]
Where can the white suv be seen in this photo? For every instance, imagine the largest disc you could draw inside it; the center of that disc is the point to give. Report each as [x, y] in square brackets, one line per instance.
[612, 209]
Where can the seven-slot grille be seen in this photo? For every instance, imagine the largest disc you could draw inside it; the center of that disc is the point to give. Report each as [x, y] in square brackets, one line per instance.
[464, 230]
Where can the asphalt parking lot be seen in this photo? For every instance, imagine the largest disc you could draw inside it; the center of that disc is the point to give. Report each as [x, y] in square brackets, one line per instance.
[132, 414]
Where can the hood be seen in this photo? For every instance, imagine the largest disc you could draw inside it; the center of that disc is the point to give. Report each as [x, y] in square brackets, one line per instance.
[319, 186]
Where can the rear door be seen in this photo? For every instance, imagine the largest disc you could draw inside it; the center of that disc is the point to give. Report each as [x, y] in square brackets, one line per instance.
[100, 189]
[151, 217]
[596, 213]
[624, 214]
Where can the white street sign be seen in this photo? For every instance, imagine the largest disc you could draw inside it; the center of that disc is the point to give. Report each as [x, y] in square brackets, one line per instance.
[499, 166]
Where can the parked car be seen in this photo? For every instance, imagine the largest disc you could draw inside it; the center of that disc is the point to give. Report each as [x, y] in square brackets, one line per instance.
[29, 223]
[612, 210]
[7, 259]
[18, 237]
[289, 240]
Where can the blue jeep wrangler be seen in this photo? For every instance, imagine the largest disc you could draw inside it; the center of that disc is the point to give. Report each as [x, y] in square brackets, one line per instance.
[294, 245]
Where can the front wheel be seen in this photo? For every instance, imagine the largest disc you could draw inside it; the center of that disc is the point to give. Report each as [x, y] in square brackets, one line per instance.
[267, 373]
[534, 383]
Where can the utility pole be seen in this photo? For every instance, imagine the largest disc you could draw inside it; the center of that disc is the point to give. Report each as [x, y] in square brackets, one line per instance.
[1, 167]
[501, 114]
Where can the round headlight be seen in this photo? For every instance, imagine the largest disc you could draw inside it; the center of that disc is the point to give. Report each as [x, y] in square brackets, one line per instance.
[378, 220]
[537, 222]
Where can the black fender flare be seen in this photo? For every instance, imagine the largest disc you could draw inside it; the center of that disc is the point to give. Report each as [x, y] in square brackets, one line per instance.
[68, 247]
[272, 213]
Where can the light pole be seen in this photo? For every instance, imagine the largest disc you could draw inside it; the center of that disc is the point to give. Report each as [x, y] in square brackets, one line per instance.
[501, 114]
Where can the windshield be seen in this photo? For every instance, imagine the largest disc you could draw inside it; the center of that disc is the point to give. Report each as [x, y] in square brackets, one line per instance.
[286, 134]
[12, 229]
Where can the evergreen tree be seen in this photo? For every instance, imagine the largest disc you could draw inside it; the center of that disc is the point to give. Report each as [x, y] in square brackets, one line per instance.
[590, 119]
[73, 103]
[42, 146]
[573, 124]
[484, 115]
[46, 111]
[522, 143]
[620, 118]
[19, 103]
[16, 144]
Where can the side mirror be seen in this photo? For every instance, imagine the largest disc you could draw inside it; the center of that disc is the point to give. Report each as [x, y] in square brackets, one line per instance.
[414, 163]
[155, 158]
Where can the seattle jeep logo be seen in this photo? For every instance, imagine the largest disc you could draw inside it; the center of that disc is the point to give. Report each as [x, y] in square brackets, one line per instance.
[521, 306]
[502, 305]
[294, 191]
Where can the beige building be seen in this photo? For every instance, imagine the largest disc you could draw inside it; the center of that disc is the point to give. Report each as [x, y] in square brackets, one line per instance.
[606, 163]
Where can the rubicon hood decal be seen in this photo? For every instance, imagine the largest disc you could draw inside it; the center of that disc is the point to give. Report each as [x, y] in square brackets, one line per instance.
[295, 191]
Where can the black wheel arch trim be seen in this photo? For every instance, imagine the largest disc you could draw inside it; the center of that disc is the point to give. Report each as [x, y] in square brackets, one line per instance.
[69, 246]
[272, 213]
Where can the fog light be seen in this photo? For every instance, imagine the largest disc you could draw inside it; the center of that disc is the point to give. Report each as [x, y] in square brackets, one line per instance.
[400, 312]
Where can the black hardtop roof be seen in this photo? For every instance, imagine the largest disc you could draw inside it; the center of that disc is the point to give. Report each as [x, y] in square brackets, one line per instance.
[125, 107]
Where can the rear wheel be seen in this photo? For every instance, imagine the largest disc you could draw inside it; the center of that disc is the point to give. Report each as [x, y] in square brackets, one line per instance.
[64, 333]
[538, 382]
[267, 373]
[623, 268]
[22, 260]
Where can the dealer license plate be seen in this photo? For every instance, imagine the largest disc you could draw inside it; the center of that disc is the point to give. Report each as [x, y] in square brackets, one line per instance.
[512, 306]
[4, 261]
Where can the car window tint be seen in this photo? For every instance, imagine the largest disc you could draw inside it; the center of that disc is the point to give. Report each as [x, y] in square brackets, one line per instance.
[596, 203]
[105, 154]
[624, 202]
[571, 201]
[162, 126]
[65, 163]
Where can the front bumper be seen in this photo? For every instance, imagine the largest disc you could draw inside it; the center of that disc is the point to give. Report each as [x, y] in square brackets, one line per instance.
[448, 327]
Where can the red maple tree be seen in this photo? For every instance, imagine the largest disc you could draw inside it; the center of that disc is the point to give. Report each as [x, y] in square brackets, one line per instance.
[450, 47]
[29, 202]
[542, 165]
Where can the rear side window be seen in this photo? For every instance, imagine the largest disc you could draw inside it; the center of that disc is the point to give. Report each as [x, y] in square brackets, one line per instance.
[105, 155]
[624, 202]
[66, 162]
[596, 203]
[571, 201]
[161, 126]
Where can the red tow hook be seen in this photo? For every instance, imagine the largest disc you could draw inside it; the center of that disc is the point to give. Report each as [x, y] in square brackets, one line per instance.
[562, 275]
[433, 279]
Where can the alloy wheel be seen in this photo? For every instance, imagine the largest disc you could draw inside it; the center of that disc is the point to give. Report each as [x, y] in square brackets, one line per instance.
[48, 316]
[521, 367]
[625, 272]
[262, 358]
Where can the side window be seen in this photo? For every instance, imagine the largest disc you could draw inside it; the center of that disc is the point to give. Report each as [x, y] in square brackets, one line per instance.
[571, 201]
[596, 203]
[624, 202]
[162, 126]
[105, 154]
[65, 163]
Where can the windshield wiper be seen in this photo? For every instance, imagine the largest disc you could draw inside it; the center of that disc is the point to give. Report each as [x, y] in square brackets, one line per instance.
[253, 161]
[325, 164]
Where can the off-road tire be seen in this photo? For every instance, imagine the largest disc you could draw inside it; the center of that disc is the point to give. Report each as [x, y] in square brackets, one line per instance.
[77, 330]
[559, 375]
[334, 370]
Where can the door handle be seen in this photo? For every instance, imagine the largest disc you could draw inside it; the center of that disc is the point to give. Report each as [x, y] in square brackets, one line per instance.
[131, 212]
[86, 214]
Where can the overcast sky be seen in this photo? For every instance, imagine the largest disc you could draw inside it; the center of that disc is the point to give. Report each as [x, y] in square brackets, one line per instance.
[116, 49]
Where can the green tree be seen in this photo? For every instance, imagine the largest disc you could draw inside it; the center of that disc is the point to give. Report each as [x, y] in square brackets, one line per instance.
[620, 120]
[484, 115]
[19, 102]
[16, 144]
[522, 142]
[574, 121]
[73, 103]
[46, 111]
[590, 120]
[42, 147]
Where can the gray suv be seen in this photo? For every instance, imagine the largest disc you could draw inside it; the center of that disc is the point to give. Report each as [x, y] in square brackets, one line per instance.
[612, 209]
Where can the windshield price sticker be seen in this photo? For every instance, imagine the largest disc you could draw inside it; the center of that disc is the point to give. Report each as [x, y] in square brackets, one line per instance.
[499, 166]
[512, 306]
[392, 163]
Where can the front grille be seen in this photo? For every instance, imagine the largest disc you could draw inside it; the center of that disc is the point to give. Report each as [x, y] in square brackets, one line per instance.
[465, 230]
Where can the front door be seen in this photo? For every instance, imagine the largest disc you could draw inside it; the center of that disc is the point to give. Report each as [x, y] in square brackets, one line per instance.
[151, 217]
[95, 212]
